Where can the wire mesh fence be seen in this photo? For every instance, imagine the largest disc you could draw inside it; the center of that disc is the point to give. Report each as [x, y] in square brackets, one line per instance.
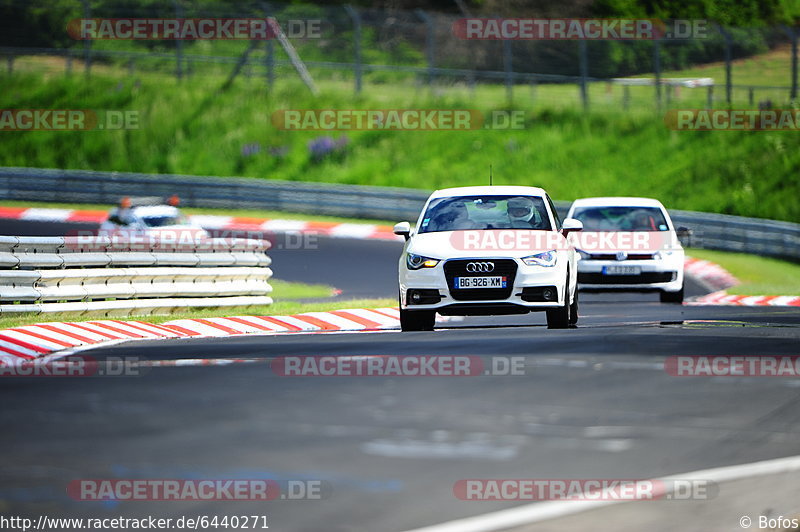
[366, 48]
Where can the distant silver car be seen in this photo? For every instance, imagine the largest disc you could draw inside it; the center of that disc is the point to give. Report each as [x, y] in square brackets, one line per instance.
[635, 247]
[149, 215]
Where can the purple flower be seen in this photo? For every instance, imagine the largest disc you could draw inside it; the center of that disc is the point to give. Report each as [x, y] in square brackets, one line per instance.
[321, 147]
[251, 149]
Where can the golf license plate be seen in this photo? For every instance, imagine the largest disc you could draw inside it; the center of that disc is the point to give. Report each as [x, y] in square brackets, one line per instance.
[480, 282]
[622, 270]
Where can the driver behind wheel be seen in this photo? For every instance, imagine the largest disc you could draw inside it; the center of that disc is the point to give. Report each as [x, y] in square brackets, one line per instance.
[522, 214]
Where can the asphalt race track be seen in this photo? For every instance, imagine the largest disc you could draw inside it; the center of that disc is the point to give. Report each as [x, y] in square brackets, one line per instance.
[594, 402]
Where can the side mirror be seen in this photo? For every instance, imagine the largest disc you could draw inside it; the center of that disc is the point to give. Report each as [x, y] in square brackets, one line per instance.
[403, 229]
[571, 225]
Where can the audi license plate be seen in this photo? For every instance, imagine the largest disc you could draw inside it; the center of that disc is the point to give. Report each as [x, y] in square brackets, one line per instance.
[480, 282]
[622, 270]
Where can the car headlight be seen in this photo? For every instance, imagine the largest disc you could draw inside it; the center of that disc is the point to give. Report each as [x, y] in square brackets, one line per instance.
[546, 259]
[415, 262]
[583, 254]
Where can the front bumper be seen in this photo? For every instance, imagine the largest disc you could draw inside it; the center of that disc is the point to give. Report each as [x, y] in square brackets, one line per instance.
[526, 292]
[656, 275]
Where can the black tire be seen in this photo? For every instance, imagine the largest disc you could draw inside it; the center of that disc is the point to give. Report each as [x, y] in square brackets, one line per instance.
[672, 297]
[560, 318]
[417, 320]
[573, 309]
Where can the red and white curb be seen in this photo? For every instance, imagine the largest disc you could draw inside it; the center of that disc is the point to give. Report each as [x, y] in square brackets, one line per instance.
[218, 223]
[723, 298]
[713, 276]
[30, 342]
[718, 279]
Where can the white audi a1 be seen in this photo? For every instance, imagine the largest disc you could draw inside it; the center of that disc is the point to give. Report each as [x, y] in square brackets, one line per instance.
[487, 250]
[629, 244]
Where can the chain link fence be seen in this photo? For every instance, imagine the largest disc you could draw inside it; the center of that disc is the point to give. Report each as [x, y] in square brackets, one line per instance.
[373, 48]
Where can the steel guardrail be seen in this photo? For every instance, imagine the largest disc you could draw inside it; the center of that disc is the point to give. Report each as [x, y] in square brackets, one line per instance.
[131, 274]
[709, 230]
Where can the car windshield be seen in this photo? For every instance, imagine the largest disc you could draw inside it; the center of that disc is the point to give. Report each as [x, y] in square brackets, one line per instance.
[485, 212]
[161, 221]
[621, 218]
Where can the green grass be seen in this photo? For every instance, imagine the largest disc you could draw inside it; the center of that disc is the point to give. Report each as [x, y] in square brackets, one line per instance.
[283, 290]
[759, 276]
[194, 128]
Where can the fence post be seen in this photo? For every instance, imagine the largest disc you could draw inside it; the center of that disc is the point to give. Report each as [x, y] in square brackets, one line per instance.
[794, 65]
[626, 97]
[178, 43]
[584, 68]
[87, 43]
[509, 69]
[657, 70]
[710, 97]
[269, 59]
[10, 63]
[430, 42]
[69, 61]
[792, 33]
[751, 96]
[728, 70]
[356, 44]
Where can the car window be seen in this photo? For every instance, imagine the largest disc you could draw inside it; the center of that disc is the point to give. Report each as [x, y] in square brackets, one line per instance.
[485, 212]
[621, 218]
[160, 221]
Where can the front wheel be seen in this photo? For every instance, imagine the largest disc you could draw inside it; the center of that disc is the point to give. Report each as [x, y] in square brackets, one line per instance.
[573, 310]
[672, 297]
[561, 317]
[417, 320]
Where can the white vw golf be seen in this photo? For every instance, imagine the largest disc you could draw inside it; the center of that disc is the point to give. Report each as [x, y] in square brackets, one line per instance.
[488, 250]
[629, 244]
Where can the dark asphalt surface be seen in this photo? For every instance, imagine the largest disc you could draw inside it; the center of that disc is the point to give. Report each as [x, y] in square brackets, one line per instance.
[594, 402]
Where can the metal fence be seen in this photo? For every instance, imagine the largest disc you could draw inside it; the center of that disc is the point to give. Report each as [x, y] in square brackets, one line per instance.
[387, 46]
[711, 231]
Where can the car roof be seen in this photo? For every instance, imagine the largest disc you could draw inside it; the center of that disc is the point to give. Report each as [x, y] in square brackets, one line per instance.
[499, 190]
[616, 201]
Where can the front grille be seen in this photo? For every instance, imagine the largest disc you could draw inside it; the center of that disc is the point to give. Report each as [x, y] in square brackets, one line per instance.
[642, 278]
[458, 268]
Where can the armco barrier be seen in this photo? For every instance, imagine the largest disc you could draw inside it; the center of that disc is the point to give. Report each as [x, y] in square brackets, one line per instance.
[80, 186]
[130, 275]
[711, 231]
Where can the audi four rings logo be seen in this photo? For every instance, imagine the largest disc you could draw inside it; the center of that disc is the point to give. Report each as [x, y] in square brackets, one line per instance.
[480, 267]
